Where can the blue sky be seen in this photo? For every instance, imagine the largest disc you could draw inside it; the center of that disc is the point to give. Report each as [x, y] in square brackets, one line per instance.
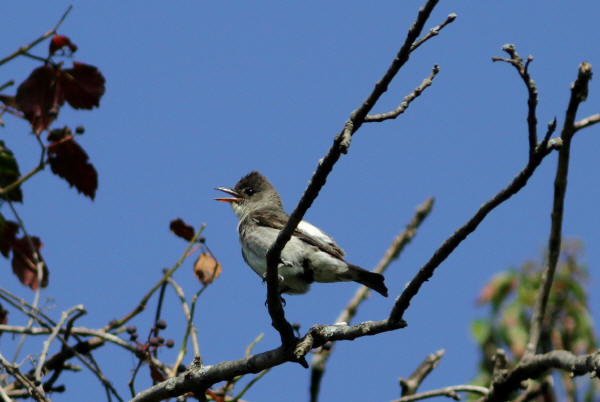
[200, 93]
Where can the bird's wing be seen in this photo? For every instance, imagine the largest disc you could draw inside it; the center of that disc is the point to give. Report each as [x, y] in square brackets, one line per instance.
[305, 231]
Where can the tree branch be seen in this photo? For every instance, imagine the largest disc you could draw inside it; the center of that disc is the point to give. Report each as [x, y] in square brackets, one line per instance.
[588, 121]
[35, 392]
[409, 386]
[533, 366]
[406, 101]
[450, 392]
[532, 91]
[340, 145]
[536, 155]
[579, 91]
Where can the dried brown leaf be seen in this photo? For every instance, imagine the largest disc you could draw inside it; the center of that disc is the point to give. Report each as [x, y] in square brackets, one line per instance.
[206, 268]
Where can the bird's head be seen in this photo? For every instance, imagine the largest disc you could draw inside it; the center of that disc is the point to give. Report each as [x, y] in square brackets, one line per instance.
[253, 192]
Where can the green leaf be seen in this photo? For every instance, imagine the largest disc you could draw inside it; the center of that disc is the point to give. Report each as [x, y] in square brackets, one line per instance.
[480, 330]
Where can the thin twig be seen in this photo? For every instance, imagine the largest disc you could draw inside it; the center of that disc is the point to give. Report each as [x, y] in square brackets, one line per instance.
[231, 382]
[410, 385]
[324, 168]
[4, 395]
[250, 384]
[253, 344]
[579, 91]
[161, 296]
[7, 84]
[82, 331]
[35, 392]
[39, 265]
[26, 48]
[532, 91]
[588, 121]
[406, 101]
[190, 328]
[433, 32]
[537, 154]
[320, 358]
[79, 310]
[450, 392]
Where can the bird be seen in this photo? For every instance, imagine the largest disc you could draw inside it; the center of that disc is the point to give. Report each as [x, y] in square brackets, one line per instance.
[310, 256]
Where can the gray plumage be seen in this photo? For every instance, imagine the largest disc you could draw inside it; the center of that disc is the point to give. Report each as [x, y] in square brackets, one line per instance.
[309, 256]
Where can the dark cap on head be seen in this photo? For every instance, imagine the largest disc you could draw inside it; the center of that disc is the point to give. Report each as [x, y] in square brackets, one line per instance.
[257, 190]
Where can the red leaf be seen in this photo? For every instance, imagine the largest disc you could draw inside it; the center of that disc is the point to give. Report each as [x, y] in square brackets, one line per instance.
[182, 229]
[39, 97]
[83, 85]
[8, 233]
[68, 160]
[59, 41]
[23, 263]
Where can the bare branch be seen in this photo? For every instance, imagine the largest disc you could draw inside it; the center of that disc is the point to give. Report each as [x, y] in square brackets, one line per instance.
[324, 168]
[450, 392]
[535, 365]
[35, 392]
[201, 377]
[536, 155]
[579, 90]
[588, 121]
[78, 310]
[318, 335]
[320, 358]
[406, 101]
[190, 328]
[433, 32]
[411, 384]
[532, 99]
[7, 84]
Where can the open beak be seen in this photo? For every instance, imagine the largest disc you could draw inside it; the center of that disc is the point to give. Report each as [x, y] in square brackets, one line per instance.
[236, 196]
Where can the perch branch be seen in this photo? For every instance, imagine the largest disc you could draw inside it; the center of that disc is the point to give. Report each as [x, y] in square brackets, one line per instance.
[340, 145]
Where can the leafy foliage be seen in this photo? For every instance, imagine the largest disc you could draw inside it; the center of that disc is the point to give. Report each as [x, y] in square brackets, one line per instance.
[511, 296]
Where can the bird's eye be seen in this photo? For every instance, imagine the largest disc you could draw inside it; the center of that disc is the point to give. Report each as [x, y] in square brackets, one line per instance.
[249, 191]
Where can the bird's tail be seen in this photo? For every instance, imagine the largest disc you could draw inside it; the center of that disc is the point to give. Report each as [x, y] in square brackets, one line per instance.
[370, 279]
